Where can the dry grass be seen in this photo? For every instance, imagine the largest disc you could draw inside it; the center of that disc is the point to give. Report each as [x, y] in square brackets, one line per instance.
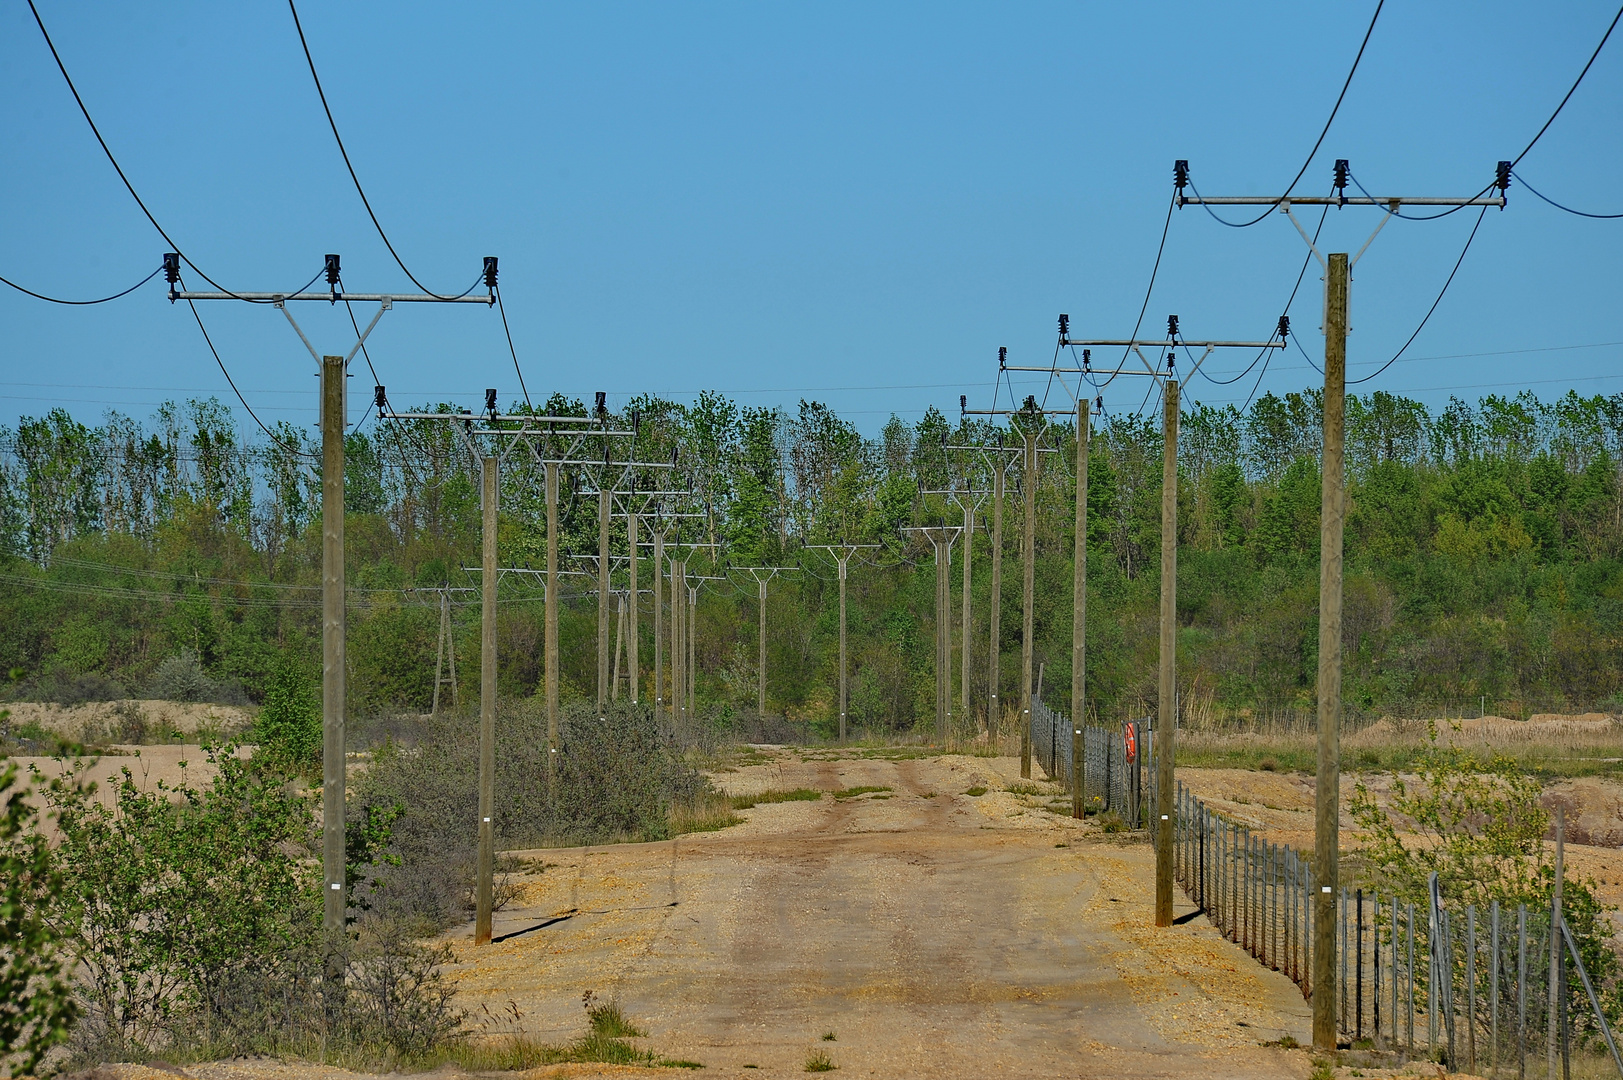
[1548, 746]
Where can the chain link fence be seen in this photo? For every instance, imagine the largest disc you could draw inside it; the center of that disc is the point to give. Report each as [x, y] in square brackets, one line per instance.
[1111, 780]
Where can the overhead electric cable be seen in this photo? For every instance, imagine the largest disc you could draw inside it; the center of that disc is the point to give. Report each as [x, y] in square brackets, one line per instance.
[1418, 217]
[502, 308]
[60, 66]
[357, 180]
[86, 303]
[1145, 306]
[1543, 196]
[233, 384]
[1317, 142]
[1570, 92]
[1443, 291]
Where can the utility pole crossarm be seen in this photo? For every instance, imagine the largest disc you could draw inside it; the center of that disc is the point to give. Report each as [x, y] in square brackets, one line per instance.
[1339, 200]
[333, 298]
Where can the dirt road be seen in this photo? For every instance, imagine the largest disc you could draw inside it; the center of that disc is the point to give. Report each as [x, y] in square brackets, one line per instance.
[929, 932]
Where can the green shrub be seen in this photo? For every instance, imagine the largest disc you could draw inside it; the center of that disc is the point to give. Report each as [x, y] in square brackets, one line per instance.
[289, 725]
[36, 996]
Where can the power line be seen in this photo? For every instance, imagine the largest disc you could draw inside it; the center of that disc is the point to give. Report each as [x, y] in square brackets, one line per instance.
[86, 303]
[1547, 199]
[1154, 270]
[1565, 99]
[233, 384]
[1320, 140]
[60, 66]
[1441, 292]
[357, 180]
[503, 309]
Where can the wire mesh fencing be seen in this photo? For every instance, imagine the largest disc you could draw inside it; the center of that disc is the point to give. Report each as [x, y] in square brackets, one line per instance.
[1452, 982]
[1112, 761]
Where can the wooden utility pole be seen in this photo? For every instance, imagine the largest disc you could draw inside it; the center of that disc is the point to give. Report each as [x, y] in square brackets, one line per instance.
[332, 647]
[1327, 798]
[604, 495]
[659, 620]
[679, 683]
[1079, 609]
[445, 651]
[994, 653]
[619, 644]
[633, 644]
[551, 673]
[966, 617]
[1028, 556]
[1551, 1040]
[1166, 724]
[487, 710]
[841, 554]
[757, 572]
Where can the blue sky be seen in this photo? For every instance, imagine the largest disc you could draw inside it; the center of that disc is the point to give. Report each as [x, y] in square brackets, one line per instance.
[854, 203]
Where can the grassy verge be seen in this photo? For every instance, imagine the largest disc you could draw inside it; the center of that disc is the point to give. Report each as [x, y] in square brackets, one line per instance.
[853, 792]
[764, 798]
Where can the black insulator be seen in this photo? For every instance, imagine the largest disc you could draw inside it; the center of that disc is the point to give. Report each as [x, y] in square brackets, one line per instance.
[636, 421]
[1064, 326]
[380, 399]
[1099, 402]
[1002, 356]
[1501, 175]
[490, 271]
[1284, 327]
[1087, 359]
[1180, 174]
[332, 271]
[602, 404]
[1172, 360]
[1172, 327]
[490, 403]
[171, 267]
[1341, 176]
[1031, 403]
[963, 403]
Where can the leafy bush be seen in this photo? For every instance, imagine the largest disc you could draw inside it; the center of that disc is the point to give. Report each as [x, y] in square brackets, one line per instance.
[36, 998]
[67, 687]
[618, 778]
[197, 913]
[1479, 826]
[182, 678]
[289, 724]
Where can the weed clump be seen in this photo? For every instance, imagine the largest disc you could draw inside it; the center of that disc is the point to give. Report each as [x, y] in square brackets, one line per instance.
[975, 792]
[819, 1061]
[763, 798]
[853, 792]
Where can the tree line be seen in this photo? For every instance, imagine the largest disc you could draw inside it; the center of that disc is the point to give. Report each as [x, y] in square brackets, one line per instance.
[1482, 553]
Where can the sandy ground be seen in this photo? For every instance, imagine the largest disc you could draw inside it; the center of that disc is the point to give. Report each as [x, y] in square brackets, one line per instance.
[94, 720]
[932, 933]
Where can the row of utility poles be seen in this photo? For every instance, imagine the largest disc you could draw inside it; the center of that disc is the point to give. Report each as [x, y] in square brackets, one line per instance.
[1161, 367]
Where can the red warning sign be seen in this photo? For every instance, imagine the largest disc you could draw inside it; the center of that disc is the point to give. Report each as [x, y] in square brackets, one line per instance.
[1129, 739]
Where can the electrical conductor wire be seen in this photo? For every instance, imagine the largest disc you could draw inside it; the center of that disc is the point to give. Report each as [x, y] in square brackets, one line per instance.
[1525, 184]
[357, 180]
[1434, 303]
[86, 303]
[1320, 140]
[60, 66]
[1564, 100]
[233, 383]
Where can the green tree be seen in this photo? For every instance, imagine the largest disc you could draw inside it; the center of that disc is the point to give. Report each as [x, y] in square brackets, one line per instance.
[36, 995]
